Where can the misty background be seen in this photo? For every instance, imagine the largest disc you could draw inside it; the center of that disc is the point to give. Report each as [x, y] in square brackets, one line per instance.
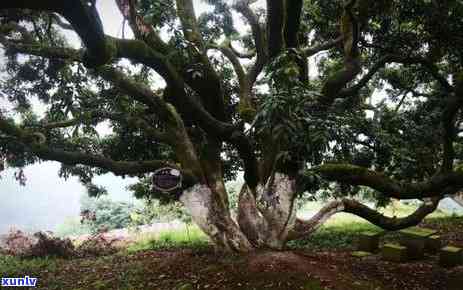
[47, 200]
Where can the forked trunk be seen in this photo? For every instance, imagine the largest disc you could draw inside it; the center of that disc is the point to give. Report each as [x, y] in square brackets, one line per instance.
[214, 220]
[265, 218]
[275, 202]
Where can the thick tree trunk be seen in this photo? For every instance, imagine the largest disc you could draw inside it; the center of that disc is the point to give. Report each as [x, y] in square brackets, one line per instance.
[276, 203]
[214, 220]
[249, 218]
[263, 223]
[268, 220]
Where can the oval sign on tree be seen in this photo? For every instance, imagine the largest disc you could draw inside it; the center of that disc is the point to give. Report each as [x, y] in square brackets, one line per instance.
[167, 179]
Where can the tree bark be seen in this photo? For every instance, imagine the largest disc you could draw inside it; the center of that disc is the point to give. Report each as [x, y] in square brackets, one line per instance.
[458, 198]
[214, 221]
[267, 218]
[249, 218]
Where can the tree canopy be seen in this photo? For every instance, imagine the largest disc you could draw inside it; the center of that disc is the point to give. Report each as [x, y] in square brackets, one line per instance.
[349, 98]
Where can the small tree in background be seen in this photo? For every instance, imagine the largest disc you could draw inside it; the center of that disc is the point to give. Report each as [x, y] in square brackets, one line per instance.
[104, 214]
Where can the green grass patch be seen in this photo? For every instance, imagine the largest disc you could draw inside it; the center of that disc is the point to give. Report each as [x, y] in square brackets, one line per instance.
[334, 235]
[191, 237]
[13, 266]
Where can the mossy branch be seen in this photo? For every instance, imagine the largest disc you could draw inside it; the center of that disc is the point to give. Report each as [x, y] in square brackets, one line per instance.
[437, 186]
[304, 228]
[36, 144]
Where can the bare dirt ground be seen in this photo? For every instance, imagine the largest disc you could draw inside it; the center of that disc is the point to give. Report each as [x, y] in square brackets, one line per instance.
[203, 269]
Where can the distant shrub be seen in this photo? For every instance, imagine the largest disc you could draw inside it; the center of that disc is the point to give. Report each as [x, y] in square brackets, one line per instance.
[155, 211]
[103, 213]
[40, 244]
[48, 245]
[97, 245]
[18, 243]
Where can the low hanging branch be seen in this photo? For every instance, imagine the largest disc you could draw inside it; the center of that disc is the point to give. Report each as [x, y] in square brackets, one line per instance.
[305, 227]
[36, 144]
[387, 223]
[138, 51]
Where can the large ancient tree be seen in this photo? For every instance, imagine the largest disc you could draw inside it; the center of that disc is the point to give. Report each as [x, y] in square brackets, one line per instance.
[377, 112]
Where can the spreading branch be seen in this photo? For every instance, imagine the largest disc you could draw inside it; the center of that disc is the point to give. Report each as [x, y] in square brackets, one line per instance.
[246, 107]
[92, 116]
[60, 22]
[351, 91]
[232, 57]
[259, 36]
[142, 30]
[312, 50]
[258, 33]
[83, 17]
[138, 50]
[38, 147]
[438, 185]
[390, 58]
[350, 35]
[249, 54]
[306, 227]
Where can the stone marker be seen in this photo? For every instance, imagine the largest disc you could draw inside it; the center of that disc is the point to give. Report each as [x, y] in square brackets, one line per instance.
[361, 254]
[433, 244]
[368, 242]
[394, 253]
[415, 239]
[186, 286]
[415, 246]
[416, 231]
[451, 256]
